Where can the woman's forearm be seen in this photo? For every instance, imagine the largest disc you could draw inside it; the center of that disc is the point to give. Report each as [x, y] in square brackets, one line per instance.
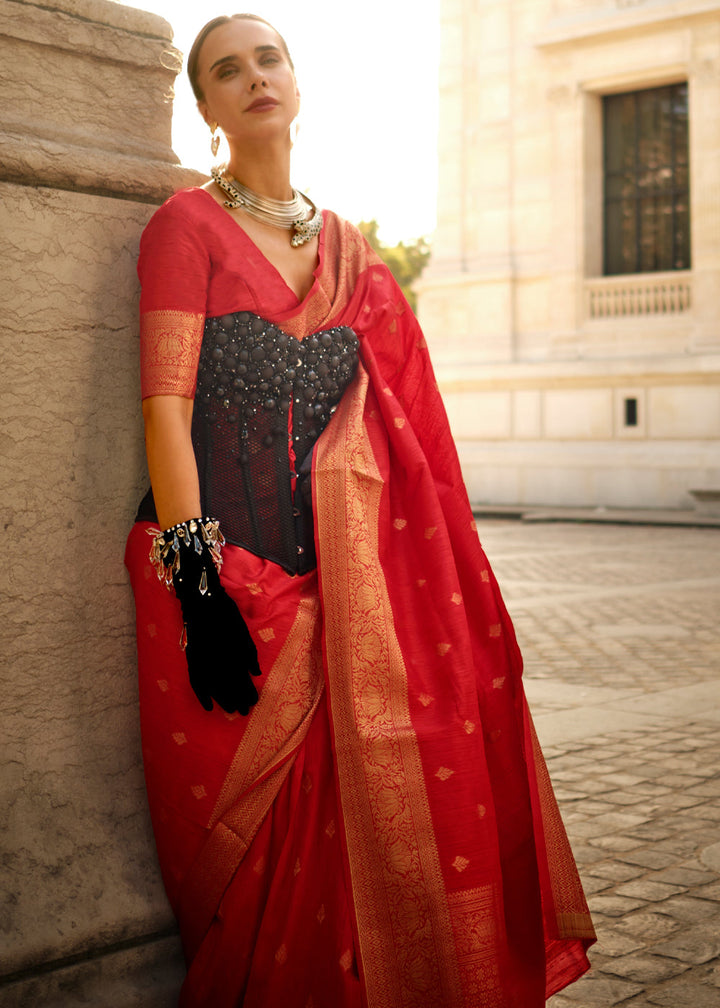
[171, 460]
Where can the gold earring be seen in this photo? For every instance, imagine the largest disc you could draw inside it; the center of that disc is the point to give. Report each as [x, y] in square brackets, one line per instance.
[215, 142]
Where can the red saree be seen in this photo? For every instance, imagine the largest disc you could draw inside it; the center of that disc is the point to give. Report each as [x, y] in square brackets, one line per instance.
[380, 830]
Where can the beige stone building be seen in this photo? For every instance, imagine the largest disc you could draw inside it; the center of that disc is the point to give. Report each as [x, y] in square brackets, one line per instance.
[572, 301]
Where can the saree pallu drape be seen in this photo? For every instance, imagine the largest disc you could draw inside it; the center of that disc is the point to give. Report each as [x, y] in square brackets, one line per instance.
[381, 830]
[426, 699]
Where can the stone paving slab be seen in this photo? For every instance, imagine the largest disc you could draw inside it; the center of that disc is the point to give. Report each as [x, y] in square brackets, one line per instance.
[619, 630]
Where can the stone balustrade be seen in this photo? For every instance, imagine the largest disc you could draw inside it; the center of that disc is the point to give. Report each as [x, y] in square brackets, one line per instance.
[638, 294]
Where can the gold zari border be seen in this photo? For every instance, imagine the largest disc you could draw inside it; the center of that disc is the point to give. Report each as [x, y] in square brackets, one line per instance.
[279, 723]
[403, 919]
[277, 727]
[573, 920]
[170, 342]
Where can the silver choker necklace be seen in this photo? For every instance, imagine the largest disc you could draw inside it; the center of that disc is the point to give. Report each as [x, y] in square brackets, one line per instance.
[289, 215]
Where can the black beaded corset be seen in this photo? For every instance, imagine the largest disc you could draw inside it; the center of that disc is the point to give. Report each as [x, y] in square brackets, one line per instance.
[263, 398]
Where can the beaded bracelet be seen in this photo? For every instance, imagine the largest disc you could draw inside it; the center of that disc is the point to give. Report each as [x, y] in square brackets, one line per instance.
[166, 546]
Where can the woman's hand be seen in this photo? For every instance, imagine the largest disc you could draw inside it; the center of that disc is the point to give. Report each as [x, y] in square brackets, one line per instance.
[221, 655]
[220, 652]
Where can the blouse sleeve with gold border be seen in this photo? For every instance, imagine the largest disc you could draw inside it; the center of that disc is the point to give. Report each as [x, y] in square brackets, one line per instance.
[174, 271]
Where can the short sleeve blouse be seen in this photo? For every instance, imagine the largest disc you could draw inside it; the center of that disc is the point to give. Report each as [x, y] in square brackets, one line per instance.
[196, 262]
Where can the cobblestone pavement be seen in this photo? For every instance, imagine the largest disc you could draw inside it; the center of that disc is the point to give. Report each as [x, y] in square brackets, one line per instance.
[620, 630]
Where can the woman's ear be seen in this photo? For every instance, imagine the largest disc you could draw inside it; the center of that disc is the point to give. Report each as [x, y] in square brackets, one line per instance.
[205, 112]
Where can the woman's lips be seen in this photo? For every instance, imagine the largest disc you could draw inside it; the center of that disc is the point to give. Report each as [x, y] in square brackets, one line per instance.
[261, 105]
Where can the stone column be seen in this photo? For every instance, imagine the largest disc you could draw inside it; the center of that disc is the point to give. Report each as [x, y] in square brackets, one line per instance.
[466, 295]
[85, 157]
[704, 84]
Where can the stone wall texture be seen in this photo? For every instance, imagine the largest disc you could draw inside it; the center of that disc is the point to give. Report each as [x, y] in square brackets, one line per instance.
[537, 352]
[85, 157]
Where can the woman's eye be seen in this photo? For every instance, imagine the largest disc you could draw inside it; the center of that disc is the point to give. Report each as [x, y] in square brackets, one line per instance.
[227, 72]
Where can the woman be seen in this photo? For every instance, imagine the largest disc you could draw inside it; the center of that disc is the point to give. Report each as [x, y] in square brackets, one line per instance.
[349, 804]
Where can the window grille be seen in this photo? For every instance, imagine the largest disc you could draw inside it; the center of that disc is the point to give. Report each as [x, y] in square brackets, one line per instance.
[646, 181]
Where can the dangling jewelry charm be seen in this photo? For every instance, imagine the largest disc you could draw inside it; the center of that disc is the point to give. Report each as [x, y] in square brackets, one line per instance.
[294, 130]
[215, 142]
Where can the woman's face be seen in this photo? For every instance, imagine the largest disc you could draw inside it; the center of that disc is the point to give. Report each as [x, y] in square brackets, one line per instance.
[248, 84]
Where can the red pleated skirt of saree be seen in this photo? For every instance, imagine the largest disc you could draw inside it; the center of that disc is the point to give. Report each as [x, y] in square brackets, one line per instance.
[243, 809]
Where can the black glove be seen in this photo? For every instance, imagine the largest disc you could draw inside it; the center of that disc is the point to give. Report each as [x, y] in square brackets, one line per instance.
[220, 652]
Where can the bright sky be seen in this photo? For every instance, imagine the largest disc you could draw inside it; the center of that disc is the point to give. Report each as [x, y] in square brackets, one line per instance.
[368, 77]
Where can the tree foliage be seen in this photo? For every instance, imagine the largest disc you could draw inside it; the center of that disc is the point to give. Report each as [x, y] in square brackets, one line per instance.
[405, 261]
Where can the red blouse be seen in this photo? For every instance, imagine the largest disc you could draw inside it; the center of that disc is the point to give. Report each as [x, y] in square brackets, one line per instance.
[197, 262]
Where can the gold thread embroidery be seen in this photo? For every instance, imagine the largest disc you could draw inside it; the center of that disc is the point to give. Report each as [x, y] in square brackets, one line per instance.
[170, 344]
[401, 907]
[283, 714]
[277, 727]
[571, 910]
[346, 256]
[474, 924]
